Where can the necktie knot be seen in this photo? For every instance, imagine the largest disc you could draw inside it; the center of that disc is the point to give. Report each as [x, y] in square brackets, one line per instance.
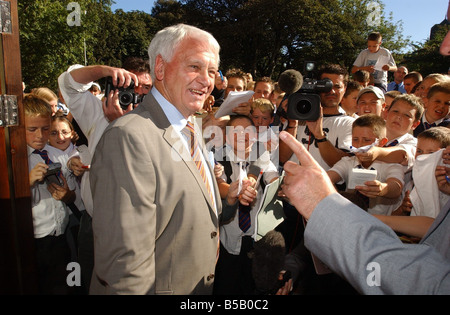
[392, 144]
[44, 155]
[428, 125]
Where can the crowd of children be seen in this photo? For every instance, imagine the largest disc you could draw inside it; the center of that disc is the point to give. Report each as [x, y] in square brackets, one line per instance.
[393, 140]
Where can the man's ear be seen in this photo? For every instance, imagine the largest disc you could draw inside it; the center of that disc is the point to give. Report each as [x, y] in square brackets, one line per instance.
[382, 142]
[159, 68]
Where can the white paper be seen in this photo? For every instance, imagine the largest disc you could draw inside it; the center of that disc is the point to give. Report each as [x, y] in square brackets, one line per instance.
[363, 149]
[271, 213]
[383, 60]
[358, 177]
[233, 100]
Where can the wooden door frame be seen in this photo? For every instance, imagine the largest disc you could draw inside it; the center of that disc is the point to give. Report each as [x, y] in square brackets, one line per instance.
[17, 247]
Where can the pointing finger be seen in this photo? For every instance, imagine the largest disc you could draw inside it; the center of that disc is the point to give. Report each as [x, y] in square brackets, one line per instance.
[299, 150]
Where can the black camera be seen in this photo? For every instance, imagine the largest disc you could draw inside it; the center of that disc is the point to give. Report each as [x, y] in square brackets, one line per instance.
[127, 95]
[52, 175]
[304, 104]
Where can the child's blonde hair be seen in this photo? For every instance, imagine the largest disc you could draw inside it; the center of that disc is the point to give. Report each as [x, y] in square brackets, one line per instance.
[45, 93]
[264, 105]
[35, 106]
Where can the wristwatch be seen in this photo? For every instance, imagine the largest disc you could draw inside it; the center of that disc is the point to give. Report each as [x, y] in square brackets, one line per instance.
[325, 138]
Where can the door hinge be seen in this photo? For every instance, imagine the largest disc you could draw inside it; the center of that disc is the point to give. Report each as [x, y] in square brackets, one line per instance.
[5, 17]
[9, 111]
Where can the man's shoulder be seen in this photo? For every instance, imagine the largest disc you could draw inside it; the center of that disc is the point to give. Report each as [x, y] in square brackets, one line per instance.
[338, 120]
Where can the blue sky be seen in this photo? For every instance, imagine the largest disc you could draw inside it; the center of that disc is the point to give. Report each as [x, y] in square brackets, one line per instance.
[418, 16]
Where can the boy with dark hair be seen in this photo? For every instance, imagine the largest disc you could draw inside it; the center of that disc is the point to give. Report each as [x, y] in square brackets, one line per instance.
[437, 104]
[384, 191]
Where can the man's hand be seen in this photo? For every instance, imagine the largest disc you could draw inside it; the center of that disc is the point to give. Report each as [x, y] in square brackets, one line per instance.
[306, 184]
[113, 110]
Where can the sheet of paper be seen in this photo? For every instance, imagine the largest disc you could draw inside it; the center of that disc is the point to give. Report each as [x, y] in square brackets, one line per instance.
[233, 100]
[381, 62]
[271, 212]
[358, 177]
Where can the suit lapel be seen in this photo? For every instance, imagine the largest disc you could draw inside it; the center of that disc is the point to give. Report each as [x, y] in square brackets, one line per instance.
[179, 151]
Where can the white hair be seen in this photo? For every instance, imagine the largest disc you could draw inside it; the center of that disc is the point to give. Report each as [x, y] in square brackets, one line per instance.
[166, 41]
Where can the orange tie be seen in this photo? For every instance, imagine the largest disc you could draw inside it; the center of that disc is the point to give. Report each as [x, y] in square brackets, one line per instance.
[189, 132]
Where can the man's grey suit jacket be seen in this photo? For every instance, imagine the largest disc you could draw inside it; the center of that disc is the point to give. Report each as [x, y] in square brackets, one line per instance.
[155, 230]
[361, 248]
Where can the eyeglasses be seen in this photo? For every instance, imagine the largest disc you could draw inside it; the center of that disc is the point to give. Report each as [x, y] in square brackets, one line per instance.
[64, 133]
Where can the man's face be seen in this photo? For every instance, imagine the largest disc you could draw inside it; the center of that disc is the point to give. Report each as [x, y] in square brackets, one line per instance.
[399, 75]
[37, 131]
[145, 83]
[188, 79]
[334, 97]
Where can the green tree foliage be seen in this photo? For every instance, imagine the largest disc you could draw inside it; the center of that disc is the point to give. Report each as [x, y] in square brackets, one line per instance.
[49, 44]
[426, 57]
[263, 37]
[266, 37]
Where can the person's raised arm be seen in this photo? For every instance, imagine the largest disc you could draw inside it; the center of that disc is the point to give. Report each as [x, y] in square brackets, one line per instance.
[120, 77]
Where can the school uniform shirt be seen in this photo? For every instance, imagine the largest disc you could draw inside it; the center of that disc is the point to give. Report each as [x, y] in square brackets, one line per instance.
[426, 198]
[72, 181]
[400, 87]
[230, 233]
[378, 205]
[421, 127]
[339, 132]
[50, 216]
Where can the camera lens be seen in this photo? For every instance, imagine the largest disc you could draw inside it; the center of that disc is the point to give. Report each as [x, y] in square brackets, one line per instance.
[304, 106]
[125, 99]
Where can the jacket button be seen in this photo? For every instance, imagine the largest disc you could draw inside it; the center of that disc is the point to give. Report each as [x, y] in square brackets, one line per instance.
[213, 234]
[210, 277]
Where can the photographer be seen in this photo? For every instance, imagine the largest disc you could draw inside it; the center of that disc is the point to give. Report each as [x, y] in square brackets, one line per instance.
[93, 116]
[329, 137]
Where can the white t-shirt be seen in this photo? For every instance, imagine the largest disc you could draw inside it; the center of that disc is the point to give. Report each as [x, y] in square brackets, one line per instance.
[339, 130]
[379, 205]
[366, 58]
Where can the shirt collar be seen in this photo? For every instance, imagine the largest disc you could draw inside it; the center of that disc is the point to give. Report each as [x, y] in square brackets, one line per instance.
[174, 116]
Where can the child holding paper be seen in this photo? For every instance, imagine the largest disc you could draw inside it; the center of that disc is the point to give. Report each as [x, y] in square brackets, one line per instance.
[233, 271]
[375, 59]
[383, 189]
